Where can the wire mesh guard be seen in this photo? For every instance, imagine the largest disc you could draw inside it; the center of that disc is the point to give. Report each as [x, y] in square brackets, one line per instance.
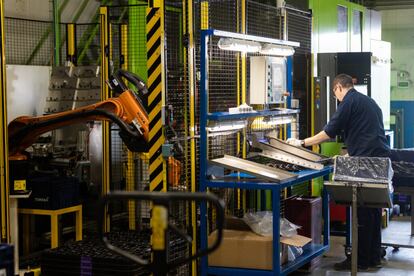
[28, 42]
[87, 43]
[130, 171]
[31, 42]
[225, 88]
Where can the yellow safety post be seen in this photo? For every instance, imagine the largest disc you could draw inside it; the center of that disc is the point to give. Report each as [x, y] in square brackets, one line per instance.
[4, 162]
[244, 87]
[191, 75]
[155, 54]
[71, 44]
[156, 98]
[106, 172]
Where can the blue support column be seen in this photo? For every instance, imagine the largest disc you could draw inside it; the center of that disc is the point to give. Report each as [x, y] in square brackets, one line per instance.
[276, 229]
[203, 146]
[325, 210]
[289, 87]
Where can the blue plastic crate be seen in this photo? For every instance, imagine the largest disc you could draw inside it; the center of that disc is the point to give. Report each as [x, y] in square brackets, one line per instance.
[51, 193]
[6, 259]
[401, 198]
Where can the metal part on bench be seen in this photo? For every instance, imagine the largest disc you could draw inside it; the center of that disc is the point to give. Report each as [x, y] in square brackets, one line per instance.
[299, 152]
[289, 158]
[255, 169]
[273, 152]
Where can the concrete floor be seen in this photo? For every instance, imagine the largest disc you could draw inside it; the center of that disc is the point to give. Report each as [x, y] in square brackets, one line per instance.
[397, 263]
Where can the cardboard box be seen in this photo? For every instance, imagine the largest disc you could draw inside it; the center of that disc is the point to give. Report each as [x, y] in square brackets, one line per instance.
[245, 249]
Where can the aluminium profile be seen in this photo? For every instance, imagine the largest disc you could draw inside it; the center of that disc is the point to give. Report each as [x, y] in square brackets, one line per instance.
[253, 168]
[290, 158]
[298, 151]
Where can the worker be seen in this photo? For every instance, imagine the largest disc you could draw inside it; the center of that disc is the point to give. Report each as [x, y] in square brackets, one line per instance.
[359, 119]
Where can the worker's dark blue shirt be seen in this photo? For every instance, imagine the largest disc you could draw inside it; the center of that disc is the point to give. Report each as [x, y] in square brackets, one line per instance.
[360, 118]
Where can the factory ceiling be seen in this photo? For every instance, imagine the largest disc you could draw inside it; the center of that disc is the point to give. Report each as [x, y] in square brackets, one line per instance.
[386, 4]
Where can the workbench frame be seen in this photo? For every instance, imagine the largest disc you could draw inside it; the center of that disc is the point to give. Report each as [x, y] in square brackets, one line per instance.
[311, 250]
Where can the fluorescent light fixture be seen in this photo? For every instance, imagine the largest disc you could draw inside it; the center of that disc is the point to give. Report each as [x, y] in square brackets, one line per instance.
[277, 50]
[232, 44]
[224, 126]
[269, 123]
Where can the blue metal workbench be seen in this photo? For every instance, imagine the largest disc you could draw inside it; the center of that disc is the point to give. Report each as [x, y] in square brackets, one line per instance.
[311, 250]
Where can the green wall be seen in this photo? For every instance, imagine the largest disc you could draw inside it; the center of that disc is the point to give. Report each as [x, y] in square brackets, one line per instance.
[137, 39]
[325, 35]
[326, 39]
[397, 28]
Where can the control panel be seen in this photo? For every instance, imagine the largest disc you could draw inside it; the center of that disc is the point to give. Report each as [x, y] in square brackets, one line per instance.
[267, 80]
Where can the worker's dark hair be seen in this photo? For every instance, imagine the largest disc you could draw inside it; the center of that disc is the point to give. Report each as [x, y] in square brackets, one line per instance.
[344, 80]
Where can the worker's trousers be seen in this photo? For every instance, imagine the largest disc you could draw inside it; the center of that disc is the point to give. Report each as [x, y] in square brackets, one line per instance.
[369, 236]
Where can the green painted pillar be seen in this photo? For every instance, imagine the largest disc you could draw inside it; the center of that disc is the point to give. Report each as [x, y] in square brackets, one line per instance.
[56, 32]
[137, 40]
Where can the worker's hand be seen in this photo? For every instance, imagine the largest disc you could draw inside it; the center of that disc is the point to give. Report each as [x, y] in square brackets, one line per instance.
[294, 142]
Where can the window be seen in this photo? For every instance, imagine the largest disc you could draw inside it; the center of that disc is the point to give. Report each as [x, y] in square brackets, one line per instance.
[356, 43]
[342, 19]
[341, 39]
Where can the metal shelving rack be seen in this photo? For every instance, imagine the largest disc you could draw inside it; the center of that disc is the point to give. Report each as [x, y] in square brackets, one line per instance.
[312, 250]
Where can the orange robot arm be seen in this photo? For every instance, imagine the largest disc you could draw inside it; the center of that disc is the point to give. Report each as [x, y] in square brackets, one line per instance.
[126, 110]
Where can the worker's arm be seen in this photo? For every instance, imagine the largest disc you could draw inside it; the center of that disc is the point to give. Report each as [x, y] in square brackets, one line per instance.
[338, 122]
[310, 141]
[316, 139]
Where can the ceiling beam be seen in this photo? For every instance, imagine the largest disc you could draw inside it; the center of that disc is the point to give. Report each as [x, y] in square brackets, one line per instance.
[389, 4]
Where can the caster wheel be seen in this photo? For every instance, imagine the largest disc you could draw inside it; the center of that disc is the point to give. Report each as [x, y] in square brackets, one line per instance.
[383, 252]
[348, 251]
[396, 248]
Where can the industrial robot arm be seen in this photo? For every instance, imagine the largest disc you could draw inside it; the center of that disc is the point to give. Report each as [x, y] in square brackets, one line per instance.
[126, 110]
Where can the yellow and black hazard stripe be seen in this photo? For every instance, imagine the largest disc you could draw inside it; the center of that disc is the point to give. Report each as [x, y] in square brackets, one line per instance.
[154, 65]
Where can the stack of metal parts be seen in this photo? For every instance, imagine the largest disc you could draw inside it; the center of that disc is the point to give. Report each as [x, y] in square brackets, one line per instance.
[91, 257]
[255, 169]
[73, 87]
[275, 163]
[279, 150]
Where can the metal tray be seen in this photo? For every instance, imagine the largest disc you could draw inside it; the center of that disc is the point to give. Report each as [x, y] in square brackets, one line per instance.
[255, 169]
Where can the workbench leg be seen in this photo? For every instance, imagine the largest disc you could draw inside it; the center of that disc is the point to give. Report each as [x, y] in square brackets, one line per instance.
[26, 234]
[412, 214]
[348, 226]
[79, 224]
[354, 267]
[326, 218]
[54, 232]
[276, 231]
[14, 233]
